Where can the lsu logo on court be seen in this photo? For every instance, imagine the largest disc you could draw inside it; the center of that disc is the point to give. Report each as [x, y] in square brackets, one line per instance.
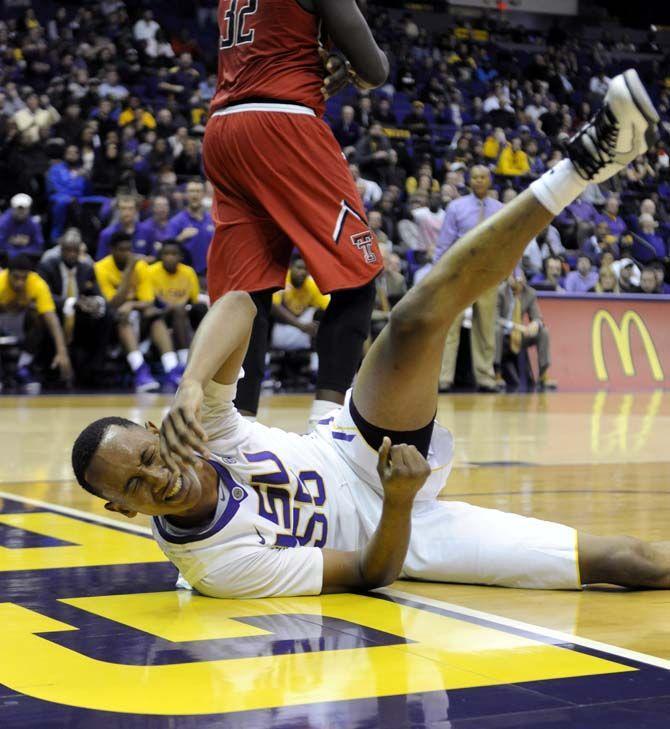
[621, 332]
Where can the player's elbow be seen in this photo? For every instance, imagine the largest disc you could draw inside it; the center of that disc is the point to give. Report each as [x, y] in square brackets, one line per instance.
[376, 75]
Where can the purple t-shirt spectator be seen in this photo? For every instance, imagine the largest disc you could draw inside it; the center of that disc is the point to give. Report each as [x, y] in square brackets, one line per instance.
[616, 225]
[575, 283]
[139, 244]
[653, 247]
[150, 234]
[581, 210]
[196, 246]
[13, 234]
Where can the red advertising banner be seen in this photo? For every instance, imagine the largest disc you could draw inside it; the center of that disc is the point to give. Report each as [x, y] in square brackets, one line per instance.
[608, 342]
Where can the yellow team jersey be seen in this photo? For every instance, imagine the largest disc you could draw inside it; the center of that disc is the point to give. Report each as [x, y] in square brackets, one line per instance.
[297, 300]
[180, 287]
[37, 292]
[109, 277]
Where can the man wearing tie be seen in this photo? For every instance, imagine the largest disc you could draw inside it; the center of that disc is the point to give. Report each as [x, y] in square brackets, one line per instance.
[516, 304]
[80, 306]
[464, 214]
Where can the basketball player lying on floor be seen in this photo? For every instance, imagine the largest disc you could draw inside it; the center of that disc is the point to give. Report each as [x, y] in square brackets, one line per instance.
[244, 510]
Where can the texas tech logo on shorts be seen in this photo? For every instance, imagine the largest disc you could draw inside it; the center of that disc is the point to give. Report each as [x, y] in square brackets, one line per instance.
[364, 242]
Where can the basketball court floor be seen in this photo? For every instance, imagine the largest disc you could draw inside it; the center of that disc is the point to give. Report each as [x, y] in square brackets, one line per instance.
[93, 633]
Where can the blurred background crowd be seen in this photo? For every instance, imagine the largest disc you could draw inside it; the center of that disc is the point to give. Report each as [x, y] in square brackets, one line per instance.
[106, 217]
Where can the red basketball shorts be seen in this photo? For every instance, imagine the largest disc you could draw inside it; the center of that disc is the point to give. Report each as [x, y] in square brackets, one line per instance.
[280, 182]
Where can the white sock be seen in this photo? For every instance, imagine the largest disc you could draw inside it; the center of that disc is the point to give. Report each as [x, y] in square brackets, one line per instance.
[320, 408]
[169, 361]
[558, 187]
[182, 355]
[135, 360]
[25, 360]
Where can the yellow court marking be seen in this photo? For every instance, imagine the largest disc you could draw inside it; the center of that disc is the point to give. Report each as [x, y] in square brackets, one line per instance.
[177, 615]
[445, 653]
[92, 544]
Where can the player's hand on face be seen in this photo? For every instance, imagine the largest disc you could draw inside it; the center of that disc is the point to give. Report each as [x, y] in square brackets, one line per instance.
[181, 434]
[337, 73]
[402, 471]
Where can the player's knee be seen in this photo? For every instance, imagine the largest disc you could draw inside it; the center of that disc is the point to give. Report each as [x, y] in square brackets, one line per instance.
[407, 320]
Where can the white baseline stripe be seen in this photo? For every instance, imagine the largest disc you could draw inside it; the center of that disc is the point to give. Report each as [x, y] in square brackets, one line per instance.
[556, 635]
[76, 512]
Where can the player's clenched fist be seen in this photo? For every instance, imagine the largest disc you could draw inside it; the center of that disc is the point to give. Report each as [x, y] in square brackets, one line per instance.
[402, 471]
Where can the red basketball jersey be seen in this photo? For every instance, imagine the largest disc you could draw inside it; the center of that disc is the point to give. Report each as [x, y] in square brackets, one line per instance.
[268, 49]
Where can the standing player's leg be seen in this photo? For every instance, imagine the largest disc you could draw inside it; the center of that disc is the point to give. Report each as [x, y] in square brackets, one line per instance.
[397, 384]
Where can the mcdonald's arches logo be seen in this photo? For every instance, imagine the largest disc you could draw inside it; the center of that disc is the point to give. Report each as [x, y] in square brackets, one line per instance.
[622, 340]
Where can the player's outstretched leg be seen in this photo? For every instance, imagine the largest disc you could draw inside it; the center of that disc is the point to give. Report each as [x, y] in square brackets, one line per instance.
[396, 388]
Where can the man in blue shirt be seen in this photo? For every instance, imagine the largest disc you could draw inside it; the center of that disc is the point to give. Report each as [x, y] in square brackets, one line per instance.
[193, 227]
[584, 278]
[153, 231]
[19, 232]
[67, 183]
[464, 214]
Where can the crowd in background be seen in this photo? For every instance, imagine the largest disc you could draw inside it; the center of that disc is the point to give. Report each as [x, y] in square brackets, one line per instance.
[102, 112]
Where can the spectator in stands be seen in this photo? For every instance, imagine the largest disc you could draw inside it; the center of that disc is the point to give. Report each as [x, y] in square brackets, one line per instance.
[112, 88]
[648, 244]
[416, 122]
[535, 109]
[373, 153]
[369, 190]
[188, 163]
[513, 161]
[67, 184]
[35, 119]
[146, 27]
[125, 283]
[610, 215]
[600, 242]
[80, 306]
[583, 279]
[19, 232]
[553, 279]
[546, 243]
[648, 282]
[607, 281]
[346, 129]
[390, 288]
[193, 227]
[177, 292]
[126, 221]
[71, 125]
[629, 276]
[462, 215]
[430, 219]
[363, 114]
[154, 230]
[661, 286]
[375, 222]
[517, 302]
[295, 311]
[106, 174]
[27, 310]
[551, 121]
[384, 113]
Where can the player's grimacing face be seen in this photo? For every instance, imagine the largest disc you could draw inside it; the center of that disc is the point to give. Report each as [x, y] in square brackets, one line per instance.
[128, 472]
